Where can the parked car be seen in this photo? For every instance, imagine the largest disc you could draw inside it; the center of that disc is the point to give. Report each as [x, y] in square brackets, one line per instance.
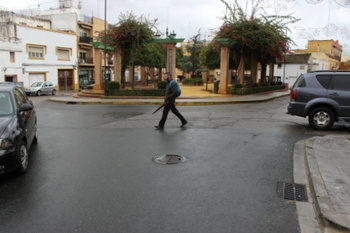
[323, 96]
[20, 85]
[39, 88]
[18, 128]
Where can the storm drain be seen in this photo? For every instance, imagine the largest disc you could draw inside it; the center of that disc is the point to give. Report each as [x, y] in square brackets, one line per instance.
[294, 192]
[169, 159]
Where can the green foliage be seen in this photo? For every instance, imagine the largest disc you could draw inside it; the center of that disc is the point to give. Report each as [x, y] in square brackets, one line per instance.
[193, 81]
[127, 92]
[210, 56]
[265, 36]
[128, 32]
[113, 86]
[253, 90]
[162, 85]
[151, 55]
[191, 63]
[238, 85]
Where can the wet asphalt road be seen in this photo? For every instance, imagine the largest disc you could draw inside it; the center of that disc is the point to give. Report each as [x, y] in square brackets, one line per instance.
[92, 170]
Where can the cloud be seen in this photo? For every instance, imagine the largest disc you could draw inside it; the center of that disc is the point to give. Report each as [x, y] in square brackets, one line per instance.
[187, 17]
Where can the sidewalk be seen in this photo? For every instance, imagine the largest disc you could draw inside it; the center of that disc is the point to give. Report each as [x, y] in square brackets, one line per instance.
[320, 163]
[191, 95]
[326, 163]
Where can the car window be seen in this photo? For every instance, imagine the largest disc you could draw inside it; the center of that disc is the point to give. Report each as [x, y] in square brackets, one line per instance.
[20, 97]
[6, 107]
[324, 80]
[340, 82]
[36, 84]
[300, 82]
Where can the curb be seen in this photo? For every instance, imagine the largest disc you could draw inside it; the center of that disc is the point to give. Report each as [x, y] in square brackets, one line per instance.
[323, 205]
[180, 102]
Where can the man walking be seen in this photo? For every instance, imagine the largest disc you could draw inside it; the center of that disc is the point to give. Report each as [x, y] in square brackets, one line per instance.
[169, 103]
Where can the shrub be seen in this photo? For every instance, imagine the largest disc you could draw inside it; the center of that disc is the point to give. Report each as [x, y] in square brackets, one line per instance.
[162, 85]
[238, 85]
[252, 90]
[113, 86]
[193, 81]
[126, 92]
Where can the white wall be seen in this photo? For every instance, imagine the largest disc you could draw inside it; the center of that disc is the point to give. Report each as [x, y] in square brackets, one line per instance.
[50, 64]
[7, 67]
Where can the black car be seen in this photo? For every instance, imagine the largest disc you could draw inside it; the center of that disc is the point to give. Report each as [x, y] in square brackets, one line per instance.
[18, 128]
[323, 96]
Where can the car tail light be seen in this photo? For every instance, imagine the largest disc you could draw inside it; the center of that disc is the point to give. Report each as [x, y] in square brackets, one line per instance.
[293, 94]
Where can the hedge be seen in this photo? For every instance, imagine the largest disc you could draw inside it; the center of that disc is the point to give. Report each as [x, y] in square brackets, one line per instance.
[193, 81]
[126, 92]
[253, 90]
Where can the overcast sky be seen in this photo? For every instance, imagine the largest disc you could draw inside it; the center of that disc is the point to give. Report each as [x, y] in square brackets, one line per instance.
[320, 19]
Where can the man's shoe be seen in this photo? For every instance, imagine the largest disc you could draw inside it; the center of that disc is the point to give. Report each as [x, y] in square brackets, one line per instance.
[184, 123]
[158, 127]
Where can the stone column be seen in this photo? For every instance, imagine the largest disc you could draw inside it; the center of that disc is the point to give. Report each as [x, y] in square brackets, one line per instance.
[98, 69]
[117, 66]
[171, 59]
[224, 69]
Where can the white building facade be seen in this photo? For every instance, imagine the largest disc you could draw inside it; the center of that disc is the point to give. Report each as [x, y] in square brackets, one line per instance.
[48, 55]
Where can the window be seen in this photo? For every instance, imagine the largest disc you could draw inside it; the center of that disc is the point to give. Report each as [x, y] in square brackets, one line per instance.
[82, 57]
[36, 51]
[20, 97]
[83, 33]
[12, 57]
[5, 103]
[324, 80]
[63, 54]
[341, 82]
[300, 82]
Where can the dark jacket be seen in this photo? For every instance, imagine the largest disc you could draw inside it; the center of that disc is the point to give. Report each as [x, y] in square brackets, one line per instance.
[170, 92]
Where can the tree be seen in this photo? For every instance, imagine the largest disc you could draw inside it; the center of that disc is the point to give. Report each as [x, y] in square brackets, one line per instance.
[130, 29]
[194, 50]
[262, 39]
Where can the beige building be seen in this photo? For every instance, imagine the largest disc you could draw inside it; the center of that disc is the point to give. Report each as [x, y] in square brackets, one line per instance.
[328, 50]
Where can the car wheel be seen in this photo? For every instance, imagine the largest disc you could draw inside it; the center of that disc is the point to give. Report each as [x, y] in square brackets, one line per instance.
[321, 118]
[23, 159]
[38, 93]
[53, 92]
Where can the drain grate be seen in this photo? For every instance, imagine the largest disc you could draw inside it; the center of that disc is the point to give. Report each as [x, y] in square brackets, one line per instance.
[169, 159]
[294, 192]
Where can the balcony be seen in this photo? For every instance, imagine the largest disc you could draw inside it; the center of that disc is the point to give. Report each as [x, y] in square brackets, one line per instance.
[86, 61]
[85, 39]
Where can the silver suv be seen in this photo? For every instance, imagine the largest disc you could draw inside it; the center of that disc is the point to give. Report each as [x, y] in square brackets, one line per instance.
[323, 96]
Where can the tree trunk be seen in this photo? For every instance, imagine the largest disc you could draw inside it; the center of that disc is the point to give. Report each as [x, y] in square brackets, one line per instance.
[263, 72]
[254, 68]
[241, 69]
[271, 72]
[123, 76]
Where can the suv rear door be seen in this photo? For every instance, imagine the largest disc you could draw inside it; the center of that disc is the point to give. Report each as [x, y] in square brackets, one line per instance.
[339, 91]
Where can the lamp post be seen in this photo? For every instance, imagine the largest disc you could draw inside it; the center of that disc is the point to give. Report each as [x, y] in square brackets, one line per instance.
[105, 50]
[133, 33]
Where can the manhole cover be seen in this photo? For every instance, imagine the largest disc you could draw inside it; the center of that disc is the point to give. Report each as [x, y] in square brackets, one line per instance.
[169, 159]
[294, 192]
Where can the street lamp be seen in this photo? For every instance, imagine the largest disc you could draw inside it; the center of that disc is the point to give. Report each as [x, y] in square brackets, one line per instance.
[105, 50]
[133, 33]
